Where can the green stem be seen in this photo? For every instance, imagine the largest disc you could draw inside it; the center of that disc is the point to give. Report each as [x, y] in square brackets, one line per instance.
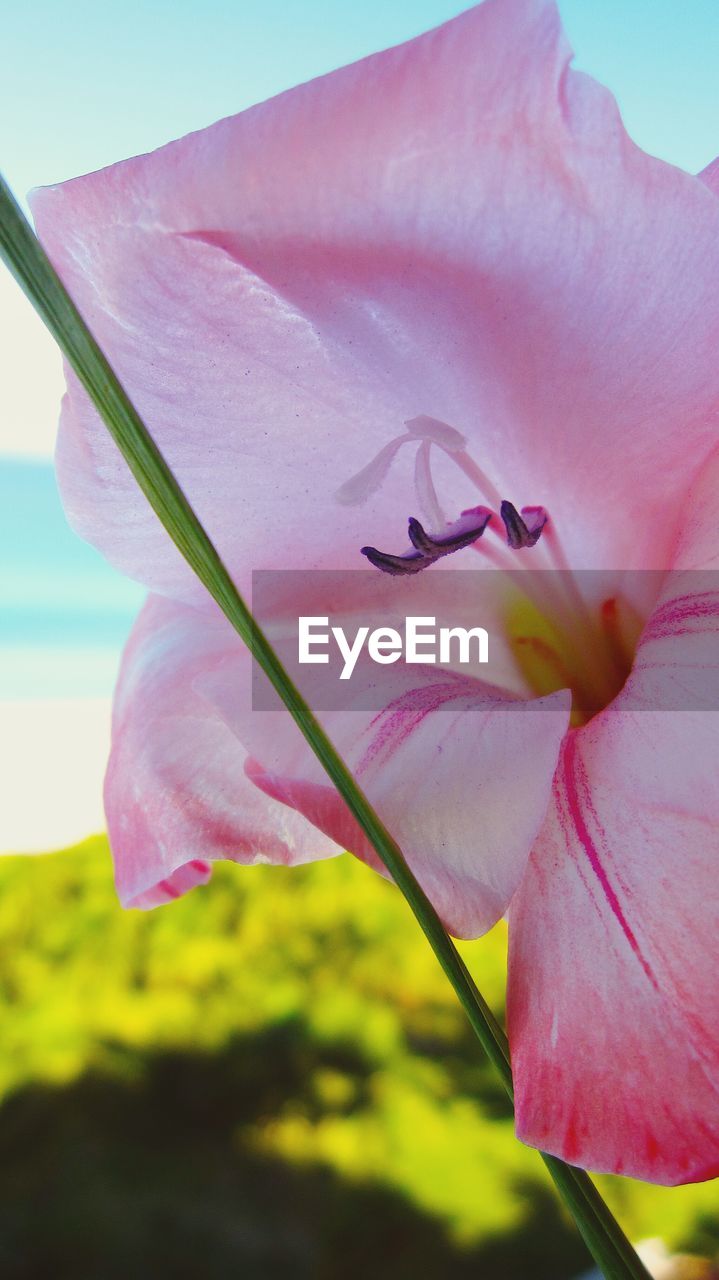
[32, 269]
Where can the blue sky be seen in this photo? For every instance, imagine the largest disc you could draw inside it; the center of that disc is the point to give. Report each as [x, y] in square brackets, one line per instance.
[85, 83]
[88, 82]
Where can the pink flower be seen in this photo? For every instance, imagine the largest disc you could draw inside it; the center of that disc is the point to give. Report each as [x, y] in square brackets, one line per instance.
[332, 311]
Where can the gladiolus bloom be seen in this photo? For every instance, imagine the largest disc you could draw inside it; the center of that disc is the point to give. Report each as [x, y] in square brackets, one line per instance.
[443, 283]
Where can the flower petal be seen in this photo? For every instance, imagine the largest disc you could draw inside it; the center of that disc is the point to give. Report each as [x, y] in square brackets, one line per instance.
[710, 176]
[613, 1008]
[459, 228]
[613, 1000]
[439, 761]
[176, 796]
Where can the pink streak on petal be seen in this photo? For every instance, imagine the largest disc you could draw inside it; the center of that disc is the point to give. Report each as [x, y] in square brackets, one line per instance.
[578, 795]
[614, 1072]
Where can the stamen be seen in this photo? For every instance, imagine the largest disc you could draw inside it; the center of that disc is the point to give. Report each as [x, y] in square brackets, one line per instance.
[473, 472]
[410, 562]
[424, 484]
[428, 548]
[436, 432]
[564, 627]
[420, 540]
[361, 486]
[469, 526]
[454, 444]
[523, 530]
[424, 430]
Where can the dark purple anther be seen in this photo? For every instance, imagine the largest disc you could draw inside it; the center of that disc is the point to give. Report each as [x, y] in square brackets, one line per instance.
[428, 547]
[523, 529]
[412, 562]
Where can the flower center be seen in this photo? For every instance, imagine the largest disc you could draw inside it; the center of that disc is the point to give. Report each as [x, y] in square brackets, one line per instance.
[559, 638]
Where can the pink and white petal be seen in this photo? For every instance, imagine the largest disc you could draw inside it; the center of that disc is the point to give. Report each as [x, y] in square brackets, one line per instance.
[260, 419]
[613, 1005]
[613, 1001]
[697, 544]
[676, 665]
[457, 227]
[438, 760]
[176, 795]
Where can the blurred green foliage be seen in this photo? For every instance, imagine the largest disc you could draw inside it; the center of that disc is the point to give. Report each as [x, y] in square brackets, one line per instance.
[269, 1078]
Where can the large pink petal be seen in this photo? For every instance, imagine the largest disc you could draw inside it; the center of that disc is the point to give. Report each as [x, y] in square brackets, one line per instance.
[459, 772]
[458, 227]
[613, 1009]
[176, 795]
[613, 999]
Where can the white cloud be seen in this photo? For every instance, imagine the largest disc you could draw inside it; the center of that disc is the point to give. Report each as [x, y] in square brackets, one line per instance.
[52, 761]
[31, 381]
